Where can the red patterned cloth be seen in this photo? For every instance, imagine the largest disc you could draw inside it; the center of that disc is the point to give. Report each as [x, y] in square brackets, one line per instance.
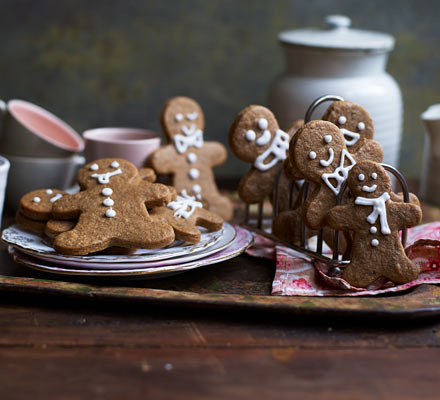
[299, 275]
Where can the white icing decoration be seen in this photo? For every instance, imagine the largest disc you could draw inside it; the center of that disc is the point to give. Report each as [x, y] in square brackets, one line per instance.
[379, 210]
[361, 126]
[369, 189]
[374, 175]
[342, 120]
[250, 135]
[105, 178]
[56, 197]
[188, 131]
[184, 205]
[94, 167]
[110, 213]
[194, 173]
[178, 117]
[328, 138]
[108, 202]
[114, 164]
[36, 199]
[107, 191]
[326, 163]
[196, 189]
[278, 149]
[199, 196]
[312, 155]
[353, 137]
[375, 243]
[194, 139]
[191, 157]
[49, 191]
[263, 124]
[361, 177]
[264, 138]
[192, 116]
[373, 229]
[340, 173]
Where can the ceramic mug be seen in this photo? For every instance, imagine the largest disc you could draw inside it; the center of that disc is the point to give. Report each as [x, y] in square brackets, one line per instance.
[132, 144]
[28, 130]
[31, 173]
[4, 169]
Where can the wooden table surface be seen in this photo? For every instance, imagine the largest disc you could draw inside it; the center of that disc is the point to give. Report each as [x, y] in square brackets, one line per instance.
[55, 347]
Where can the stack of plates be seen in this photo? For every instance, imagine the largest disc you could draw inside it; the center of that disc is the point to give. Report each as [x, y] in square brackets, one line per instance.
[34, 251]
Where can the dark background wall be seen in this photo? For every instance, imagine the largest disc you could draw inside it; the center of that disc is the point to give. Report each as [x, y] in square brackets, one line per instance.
[114, 63]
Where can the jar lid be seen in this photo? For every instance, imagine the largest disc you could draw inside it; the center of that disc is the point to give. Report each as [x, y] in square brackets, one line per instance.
[338, 35]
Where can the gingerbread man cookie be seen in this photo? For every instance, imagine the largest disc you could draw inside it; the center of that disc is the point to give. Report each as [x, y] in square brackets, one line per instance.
[112, 210]
[375, 220]
[184, 213]
[318, 153]
[188, 158]
[256, 138]
[356, 125]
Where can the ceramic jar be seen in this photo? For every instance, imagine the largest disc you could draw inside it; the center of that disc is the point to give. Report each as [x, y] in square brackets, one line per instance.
[345, 62]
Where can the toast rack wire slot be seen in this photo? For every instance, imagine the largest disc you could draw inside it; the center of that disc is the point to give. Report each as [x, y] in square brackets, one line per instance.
[302, 195]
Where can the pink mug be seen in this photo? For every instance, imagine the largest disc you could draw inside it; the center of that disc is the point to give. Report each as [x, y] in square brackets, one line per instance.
[132, 144]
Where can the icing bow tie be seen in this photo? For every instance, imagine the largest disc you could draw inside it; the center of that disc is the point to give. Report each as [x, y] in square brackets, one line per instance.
[183, 142]
[340, 173]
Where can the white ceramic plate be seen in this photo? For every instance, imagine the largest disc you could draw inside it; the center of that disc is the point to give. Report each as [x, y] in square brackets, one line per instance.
[229, 234]
[241, 242]
[37, 246]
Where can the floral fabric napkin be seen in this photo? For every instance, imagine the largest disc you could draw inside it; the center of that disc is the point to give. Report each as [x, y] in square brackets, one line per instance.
[299, 275]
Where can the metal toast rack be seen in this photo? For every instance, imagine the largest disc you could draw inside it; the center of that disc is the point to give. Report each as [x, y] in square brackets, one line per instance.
[297, 196]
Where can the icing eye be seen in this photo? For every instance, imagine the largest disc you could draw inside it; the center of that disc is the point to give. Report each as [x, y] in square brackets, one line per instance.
[312, 155]
[342, 120]
[361, 177]
[49, 191]
[361, 126]
[36, 199]
[179, 117]
[374, 175]
[114, 164]
[192, 116]
[263, 124]
[250, 135]
[94, 167]
[327, 138]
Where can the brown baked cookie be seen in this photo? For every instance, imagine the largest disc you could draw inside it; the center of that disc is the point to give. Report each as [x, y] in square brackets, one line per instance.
[112, 210]
[357, 127]
[54, 227]
[37, 205]
[256, 138]
[318, 153]
[375, 220]
[184, 213]
[188, 158]
[29, 224]
[147, 174]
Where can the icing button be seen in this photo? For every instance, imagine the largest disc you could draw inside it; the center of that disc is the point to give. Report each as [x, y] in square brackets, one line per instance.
[375, 243]
[192, 158]
[108, 202]
[194, 173]
[110, 213]
[373, 229]
[107, 192]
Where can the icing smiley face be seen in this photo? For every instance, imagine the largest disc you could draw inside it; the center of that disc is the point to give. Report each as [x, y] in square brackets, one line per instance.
[106, 172]
[256, 138]
[354, 121]
[368, 179]
[182, 116]
[318, 151]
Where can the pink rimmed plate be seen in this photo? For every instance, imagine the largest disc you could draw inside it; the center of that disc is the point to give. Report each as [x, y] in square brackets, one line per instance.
[241, 242]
